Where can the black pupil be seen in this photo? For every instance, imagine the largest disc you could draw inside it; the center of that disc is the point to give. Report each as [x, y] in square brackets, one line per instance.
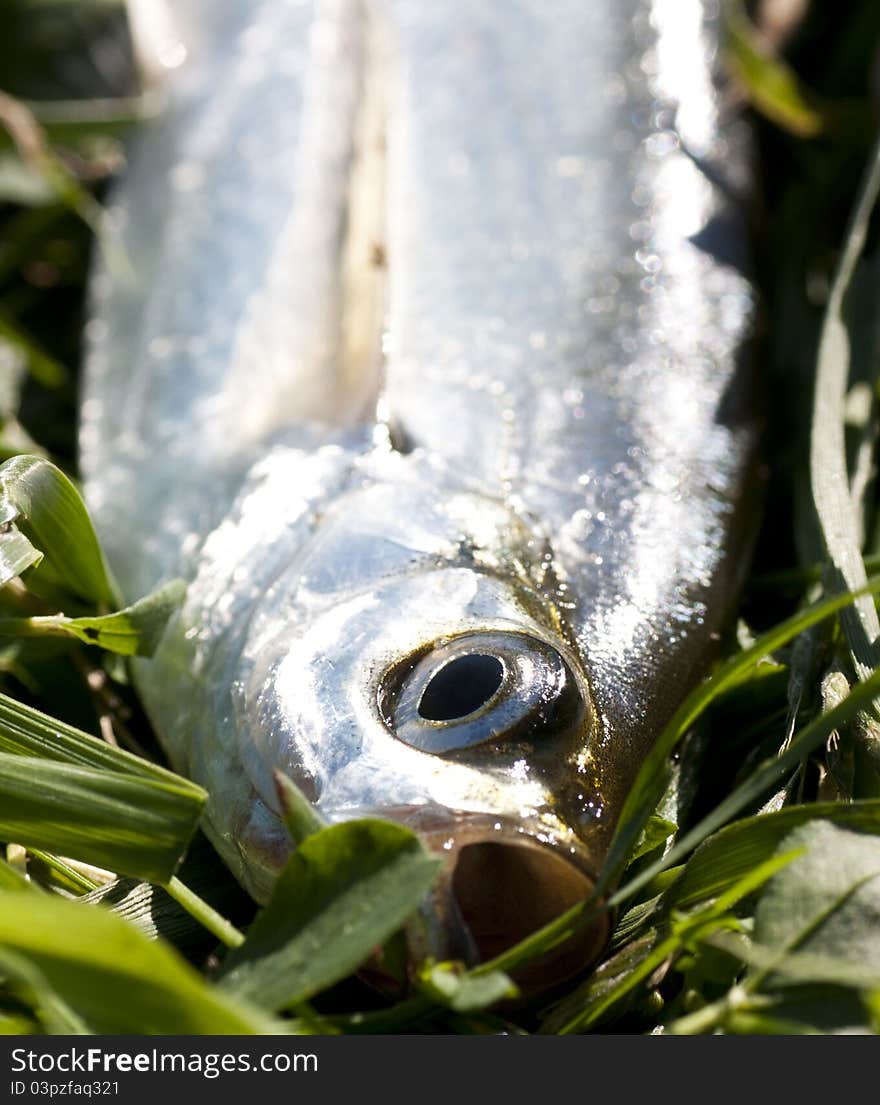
[460, 687]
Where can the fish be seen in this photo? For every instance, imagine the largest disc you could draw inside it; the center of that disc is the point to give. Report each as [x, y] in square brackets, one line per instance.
[432, 376]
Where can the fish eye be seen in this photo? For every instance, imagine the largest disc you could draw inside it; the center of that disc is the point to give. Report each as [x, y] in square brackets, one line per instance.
[461, 686]
[479, 688]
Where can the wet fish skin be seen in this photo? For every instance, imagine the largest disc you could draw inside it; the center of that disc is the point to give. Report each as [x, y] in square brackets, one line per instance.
[595, 314]
[563, 361]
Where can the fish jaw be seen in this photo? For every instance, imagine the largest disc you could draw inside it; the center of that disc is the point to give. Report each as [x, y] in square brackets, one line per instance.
[500, 881]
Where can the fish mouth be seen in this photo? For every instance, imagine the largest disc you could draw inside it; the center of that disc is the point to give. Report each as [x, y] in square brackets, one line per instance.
[499, 883]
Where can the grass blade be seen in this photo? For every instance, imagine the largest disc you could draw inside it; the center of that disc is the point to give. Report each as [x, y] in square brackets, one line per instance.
[344, 891]
[205, 914]
[463, 992]
[136, 826]
[68, 792]
[725, 857]
[685, 929]
[38, 500]
[772, 86]
[25, 731]
[45, 369]
[113, 977]
[133, 631]
[828, 902]
[17, 554]
[10, 879]
[29, 984]
[30, 142]
[300, 816]
[652, 777]
[829, 478]
[766, 774]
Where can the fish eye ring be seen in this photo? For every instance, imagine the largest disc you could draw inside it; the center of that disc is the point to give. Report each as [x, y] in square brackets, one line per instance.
[478, 688]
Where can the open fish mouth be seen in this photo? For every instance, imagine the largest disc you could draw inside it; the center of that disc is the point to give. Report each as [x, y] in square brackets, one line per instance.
[499, 884]
[501, 880]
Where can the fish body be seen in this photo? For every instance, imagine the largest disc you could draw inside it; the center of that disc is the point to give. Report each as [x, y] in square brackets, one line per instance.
[431, 379]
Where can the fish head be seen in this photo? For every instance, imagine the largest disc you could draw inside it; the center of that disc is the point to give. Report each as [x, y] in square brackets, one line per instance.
[413, 663]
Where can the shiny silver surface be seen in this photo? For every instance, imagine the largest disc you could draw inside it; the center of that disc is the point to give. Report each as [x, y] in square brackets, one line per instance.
[550, 327]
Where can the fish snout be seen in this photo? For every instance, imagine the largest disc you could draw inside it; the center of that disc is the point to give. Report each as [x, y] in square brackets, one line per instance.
[498, 885]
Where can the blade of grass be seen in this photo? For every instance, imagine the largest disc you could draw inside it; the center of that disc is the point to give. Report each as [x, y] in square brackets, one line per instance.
[772, 86]
[133, 631]
[767, 773]
[610, 974]
[10, 879]
[30, 142]
[812, 966]
[684, 930]
[652, 776]
[17, 554]
[205, 914]
[300, 816]
[37, 499]
[344, 891]
[44, 368]
[25, 731]
[116, 979]
[764, 776]
[61, 873]
[829, 479]
[29, 984]
[728, 854]
[70, 122]
[786, 961]
[137, 826]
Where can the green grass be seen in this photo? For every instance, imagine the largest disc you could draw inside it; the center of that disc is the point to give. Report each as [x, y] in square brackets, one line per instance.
[751, 839]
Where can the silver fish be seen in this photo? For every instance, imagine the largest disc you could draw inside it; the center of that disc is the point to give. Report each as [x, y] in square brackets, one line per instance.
[431, 380]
